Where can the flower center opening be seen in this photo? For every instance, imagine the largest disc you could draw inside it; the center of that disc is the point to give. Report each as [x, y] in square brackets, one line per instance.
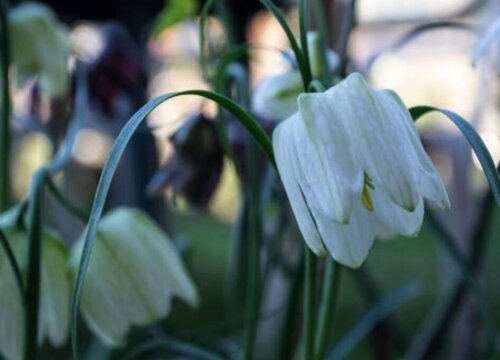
[366, 198]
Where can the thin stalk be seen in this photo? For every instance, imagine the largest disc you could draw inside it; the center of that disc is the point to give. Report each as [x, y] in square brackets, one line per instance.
[303, 14]
[309, 304]
[289, 337]
[5, 112]
[13, 265]
[328, 300]
[66, 203]
[255, 237]
[34, 260]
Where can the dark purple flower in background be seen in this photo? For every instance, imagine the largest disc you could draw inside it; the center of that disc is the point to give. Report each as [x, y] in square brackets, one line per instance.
[195, 169]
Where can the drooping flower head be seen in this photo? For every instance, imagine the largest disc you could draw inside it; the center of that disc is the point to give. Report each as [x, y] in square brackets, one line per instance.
[354, 168]
[275, 98]
[40, 47]
[133, 275]
[55, 289]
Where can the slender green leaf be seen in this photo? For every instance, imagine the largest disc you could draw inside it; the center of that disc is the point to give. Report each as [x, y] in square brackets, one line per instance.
[385, 307]
[13, 264]
[174, 12]
[66, 203]
[329, 296]
[5, 112]
[34, 260]
[299, 55]
[112, 163]
[303, 16]
[309, 318]
[201, 36]
[475, 142]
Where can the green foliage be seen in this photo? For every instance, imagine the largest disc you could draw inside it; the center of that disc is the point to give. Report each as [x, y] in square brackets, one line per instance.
[174, 12]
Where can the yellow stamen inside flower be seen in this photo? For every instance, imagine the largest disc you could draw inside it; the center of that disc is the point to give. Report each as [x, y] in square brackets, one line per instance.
[366, 198]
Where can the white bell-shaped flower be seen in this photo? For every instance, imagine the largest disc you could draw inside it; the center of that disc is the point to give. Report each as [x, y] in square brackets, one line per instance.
[40, 47]
[275, 98]
[54, 293]
[354, 168]
[133, 274]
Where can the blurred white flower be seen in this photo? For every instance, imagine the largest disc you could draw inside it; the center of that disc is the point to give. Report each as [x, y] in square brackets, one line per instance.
[489, 41]
[354, 168]
[133, 274]
[54, 293]
[40, 47]
[275, 98]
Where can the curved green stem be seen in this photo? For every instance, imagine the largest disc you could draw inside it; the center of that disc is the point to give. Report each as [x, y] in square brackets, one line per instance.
[5, 114]
[309, 304]
[111, 165]
[299, 54]
[329, 296]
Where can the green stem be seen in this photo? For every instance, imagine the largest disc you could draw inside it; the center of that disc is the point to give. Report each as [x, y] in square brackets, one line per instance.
[430, 337]
[66, 203]
[5, 115]
[309, 304]
[34, 260]
[253, 188]
[303, 13]
[329, 296]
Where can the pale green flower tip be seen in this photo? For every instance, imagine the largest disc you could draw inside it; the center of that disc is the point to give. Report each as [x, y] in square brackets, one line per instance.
[275, 97]
[356, 80]
[40, 47]
[321, 252]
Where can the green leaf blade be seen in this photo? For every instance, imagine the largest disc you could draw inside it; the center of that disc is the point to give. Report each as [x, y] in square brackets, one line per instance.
[111, 165]
[475, 142]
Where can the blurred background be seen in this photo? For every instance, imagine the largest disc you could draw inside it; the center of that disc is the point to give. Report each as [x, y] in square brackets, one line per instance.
[175, 167]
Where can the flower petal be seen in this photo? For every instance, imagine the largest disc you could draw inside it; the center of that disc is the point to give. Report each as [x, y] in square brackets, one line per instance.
[326, 161]
[431, 186]
[285, 153]
[40, 47]
[11, 310]
[395, 218]
[348, 244]
[56, 291]
[386, 146]
[133, 274]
